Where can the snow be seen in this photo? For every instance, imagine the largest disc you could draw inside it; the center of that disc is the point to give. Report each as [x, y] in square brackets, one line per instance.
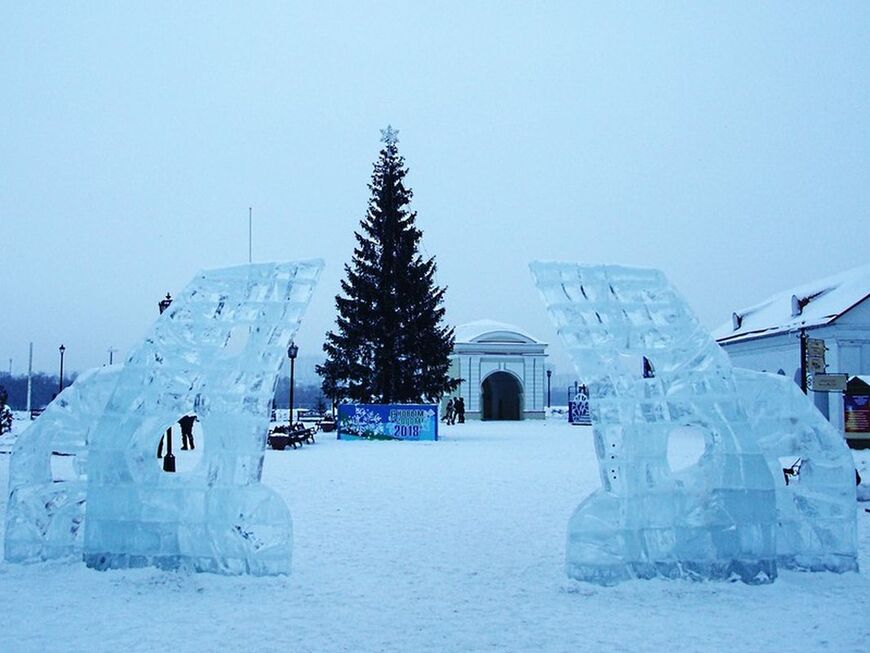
[491, 331]
[826, 299]
[457, 545]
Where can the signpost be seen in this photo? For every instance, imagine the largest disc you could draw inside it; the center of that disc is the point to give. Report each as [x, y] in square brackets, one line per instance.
[815, 353]
[829, 382]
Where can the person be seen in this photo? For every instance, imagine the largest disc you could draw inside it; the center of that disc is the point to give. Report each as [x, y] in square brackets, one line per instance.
[455, 412]
[186, 424]
[460, 411]
[448, 415]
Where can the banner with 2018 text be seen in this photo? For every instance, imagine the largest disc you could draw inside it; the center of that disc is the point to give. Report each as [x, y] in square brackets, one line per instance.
[387, 422]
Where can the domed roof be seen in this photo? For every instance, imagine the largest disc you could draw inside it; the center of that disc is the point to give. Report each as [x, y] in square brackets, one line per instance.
[492, 331]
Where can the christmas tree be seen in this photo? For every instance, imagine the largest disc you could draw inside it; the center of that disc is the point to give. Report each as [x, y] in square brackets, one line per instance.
[390, 344]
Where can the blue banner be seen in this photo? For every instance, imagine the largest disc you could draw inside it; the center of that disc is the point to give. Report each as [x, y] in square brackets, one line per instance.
[578, 408]
[387, 422]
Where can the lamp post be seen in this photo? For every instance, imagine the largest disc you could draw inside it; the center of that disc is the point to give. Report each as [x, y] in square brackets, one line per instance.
[61, 349]
[169, 458]
[292, 351]
[549, 374]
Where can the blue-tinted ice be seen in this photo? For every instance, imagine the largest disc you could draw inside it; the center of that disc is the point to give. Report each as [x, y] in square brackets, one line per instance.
[653, 369]
[216, 352]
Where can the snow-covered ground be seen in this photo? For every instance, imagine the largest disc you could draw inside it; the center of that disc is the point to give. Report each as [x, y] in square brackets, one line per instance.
[450, 546]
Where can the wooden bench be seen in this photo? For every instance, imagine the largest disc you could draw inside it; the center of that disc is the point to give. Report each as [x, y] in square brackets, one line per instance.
[792, 474]
[305, 434]
[281, 437]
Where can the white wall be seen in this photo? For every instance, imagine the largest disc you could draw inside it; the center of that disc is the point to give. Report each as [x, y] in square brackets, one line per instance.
[848, 343]
[474, 368]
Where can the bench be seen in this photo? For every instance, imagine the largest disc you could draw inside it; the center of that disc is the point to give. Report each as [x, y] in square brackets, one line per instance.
[280, 436]
[792, 474]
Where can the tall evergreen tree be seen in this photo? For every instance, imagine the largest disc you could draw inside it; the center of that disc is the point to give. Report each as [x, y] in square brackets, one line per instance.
[390, 344]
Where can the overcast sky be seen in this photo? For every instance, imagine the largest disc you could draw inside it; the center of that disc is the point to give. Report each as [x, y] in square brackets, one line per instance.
[727, 144]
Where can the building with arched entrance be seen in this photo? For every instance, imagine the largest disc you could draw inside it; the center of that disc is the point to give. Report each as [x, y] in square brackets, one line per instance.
[502, 369]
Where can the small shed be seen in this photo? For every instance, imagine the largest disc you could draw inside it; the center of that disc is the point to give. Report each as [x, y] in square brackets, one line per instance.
[502, 371]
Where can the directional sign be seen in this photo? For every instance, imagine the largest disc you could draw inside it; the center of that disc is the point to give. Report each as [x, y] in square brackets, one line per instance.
[829, 382]
[816, 347]
[815, 355]
[816, 364]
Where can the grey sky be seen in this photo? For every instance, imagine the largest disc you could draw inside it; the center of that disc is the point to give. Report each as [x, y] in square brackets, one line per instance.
[726, 144]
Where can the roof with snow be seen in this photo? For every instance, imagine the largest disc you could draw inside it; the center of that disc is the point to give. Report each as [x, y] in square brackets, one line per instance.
[492, 331]
[813, 304]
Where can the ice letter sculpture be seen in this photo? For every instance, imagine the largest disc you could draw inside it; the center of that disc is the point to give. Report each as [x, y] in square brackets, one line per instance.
[653, 369]
[813, 471]
[215, 352]
[47, 482]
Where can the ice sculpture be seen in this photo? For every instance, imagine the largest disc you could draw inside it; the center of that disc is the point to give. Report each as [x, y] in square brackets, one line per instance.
[652, 369]
[215, 352]
[46, 504]
[813, 472]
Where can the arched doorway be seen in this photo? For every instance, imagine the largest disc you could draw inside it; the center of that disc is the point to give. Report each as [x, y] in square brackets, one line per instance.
[502, 396]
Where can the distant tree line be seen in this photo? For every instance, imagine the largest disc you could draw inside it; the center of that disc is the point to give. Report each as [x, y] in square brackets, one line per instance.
[45, 387]
[304, 396]
[43, 390]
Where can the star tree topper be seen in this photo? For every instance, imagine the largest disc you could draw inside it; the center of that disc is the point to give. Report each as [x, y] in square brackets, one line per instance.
[389, 135]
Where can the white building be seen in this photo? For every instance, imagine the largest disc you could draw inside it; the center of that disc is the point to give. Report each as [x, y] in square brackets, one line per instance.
[502, 371]
[766, 337]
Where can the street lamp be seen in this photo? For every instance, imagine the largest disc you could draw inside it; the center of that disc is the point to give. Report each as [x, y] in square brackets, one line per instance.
[292, 350]
[549, 374]
[61, 349]
[169, 458]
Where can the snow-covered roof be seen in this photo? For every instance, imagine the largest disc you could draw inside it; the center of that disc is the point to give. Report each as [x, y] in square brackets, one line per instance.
[492, 331]
[813, 304]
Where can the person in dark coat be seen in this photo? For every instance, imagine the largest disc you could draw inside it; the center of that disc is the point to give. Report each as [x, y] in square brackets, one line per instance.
[186, 424]
[448, 415]
[460, 410]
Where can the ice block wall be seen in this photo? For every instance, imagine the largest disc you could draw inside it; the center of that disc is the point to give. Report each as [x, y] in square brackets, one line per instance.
[653, 369]
[216, 352]
[716, 519]
[47, 479]
[816, 523]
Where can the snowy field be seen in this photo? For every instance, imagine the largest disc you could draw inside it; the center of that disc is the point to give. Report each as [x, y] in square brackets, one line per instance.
[450, 546]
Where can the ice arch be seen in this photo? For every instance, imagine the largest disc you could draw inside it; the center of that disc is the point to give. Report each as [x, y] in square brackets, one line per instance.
[215, 352]
[652, 367]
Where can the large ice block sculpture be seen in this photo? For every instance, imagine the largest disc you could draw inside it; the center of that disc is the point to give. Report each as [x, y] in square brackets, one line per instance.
[813, 472]
[652, 369]
[47, 480]
[215, 352]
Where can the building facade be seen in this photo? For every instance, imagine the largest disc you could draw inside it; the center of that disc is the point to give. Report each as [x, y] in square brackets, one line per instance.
[502, 371]
[767, 337]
